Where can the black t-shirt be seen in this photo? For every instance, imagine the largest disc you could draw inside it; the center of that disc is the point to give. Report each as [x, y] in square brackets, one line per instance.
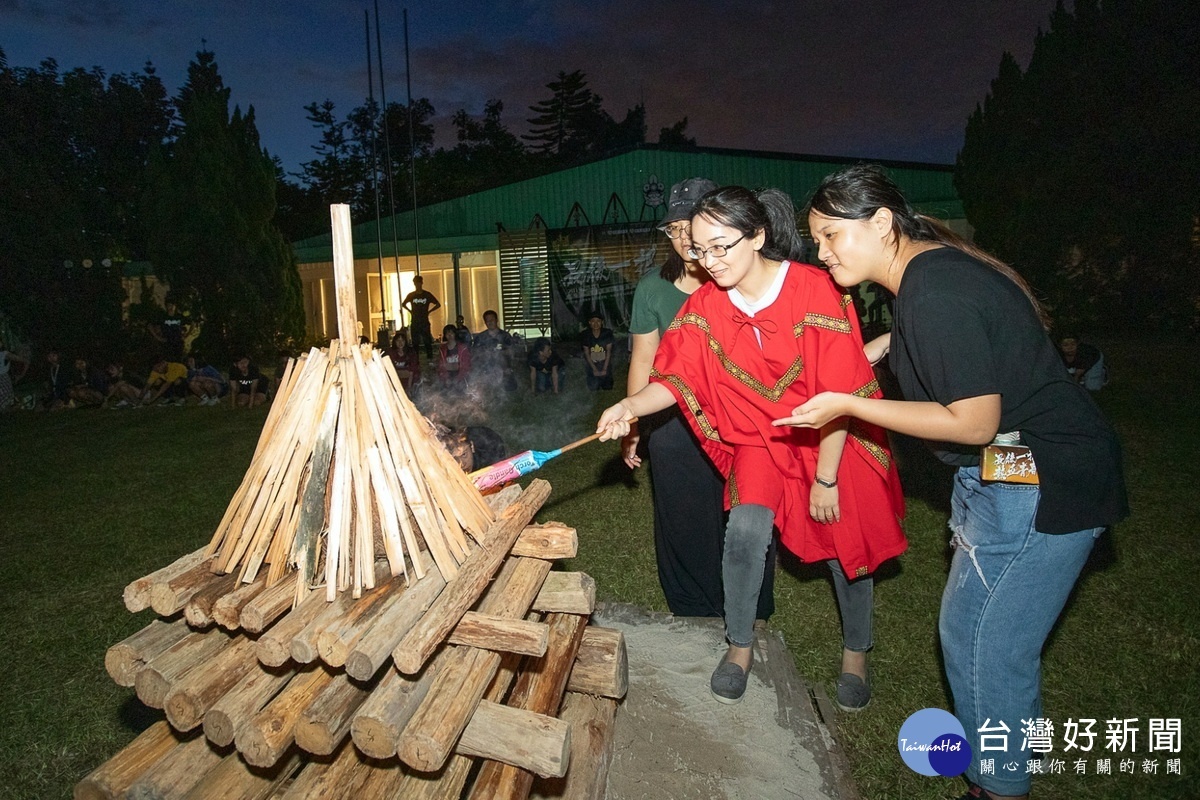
[248, 380]
[419, 302]
[1086, 357]
[963, 330]
[595, 345]
[546, 368]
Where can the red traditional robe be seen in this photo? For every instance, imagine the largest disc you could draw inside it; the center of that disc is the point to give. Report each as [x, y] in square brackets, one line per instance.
[730, 388]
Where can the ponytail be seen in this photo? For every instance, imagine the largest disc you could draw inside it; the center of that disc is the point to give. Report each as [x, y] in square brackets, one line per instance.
[768, 210]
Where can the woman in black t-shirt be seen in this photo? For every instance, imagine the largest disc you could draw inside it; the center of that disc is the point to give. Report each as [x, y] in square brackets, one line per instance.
[972, 357]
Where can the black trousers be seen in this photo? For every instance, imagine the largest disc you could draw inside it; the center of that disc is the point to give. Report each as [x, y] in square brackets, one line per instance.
[689, 522]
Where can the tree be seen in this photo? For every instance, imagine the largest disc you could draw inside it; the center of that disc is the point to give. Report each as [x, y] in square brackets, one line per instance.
[212, 199]
[676, 136]
[1083, 171]
[571, 124]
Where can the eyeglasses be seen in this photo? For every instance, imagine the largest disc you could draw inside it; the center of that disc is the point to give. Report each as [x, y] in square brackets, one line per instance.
[717, 250]
[675, 231]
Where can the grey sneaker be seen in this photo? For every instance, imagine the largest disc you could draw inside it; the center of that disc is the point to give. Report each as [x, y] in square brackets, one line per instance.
[853, 693]
[728, 682]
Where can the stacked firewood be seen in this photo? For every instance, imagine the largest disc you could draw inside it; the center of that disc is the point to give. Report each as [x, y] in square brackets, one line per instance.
[488, 686]
[443, 658]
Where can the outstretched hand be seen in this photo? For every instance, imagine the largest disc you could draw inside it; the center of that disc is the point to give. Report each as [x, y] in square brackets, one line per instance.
[629, 447]
[614, 422]
[817, 412]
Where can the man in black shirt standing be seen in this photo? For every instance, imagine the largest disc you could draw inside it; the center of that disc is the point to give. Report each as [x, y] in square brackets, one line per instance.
[420, 304]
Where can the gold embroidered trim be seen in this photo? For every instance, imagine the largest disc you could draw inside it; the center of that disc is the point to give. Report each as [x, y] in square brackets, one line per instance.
[866, 391]
[846, 300]
[877, 452]
[861, 572]
[835, 324]
[693, 405]
[772, 393]
[734, 497]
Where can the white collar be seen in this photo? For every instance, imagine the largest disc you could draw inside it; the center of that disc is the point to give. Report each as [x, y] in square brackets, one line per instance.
[772, 294]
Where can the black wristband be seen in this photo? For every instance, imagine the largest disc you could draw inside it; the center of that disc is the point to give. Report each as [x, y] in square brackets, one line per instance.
[827, 484]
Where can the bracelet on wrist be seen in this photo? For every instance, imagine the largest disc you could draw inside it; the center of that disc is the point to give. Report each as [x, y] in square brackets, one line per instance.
[827, 484]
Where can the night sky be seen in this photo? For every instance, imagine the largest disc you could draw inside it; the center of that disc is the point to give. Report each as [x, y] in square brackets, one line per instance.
[865, 78]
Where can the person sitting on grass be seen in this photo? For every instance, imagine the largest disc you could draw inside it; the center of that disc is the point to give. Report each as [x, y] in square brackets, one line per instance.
[248, 385]
[126, 389]
[58, 384]
[7, 357]
[167, 383]
[454, 359]
[206, 381]
[89, 386]
[405, 359]
[547, 370]
[597, 353]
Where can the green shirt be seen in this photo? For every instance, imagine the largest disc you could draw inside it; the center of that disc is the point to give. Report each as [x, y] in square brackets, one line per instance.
[655, 303]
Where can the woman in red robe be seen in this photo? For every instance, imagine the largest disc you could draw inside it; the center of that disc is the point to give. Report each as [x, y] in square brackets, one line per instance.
[766, 333]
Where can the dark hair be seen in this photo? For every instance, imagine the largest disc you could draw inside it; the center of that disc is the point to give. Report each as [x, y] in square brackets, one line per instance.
[858, 192]
[493, 313]
[672, 269]
[451, 330]
[540, 344]
[767, 210]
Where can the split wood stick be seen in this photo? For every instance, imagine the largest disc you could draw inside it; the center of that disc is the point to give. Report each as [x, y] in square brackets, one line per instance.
[275, 646]
[264, 738]
[233, 779]
[477, 570]
[540, 689]
[227, 611]
[339, 486]
[247, 697]
[274, 601]
[325, 724]
[551, 541]
[364, 548]
[343, 272]
[306, 545]
[162, 672]
[400, 613]
[592, 721]
[204, 685]
[336, 778]
[137, 593]
[568, 593]
[198, 611]
[177, 772]
[602, 664]
[502, 499]
[429, 738]
[113, 777]
[389, 516]
[339, 637]
[377, 725]
[169, 596]
[489, 632]
[535, 742]
[303, 646]
[126, 658]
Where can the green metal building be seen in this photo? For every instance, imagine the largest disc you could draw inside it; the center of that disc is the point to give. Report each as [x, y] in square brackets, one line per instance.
[545, 250]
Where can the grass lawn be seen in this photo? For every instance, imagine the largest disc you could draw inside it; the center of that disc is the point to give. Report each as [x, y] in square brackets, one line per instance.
[94, 499]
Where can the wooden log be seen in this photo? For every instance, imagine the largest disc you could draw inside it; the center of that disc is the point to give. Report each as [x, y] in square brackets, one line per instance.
[275, 646]
[399, 614]
[429, 738]
[335, 778]
[126, 658]
[475, 573]
[247, 697]
[137, 593]
[227, 611]
[274, 601]
[592, 722]
[338, 638]
[535, 742]
[192, 696]
[377, 726]
[169, 596]
[234, 779]
[264, 738]
[113, 777]
[155, 680]
[303, 646]
[550, 541]
[489, 632]
[325, 724]
[198, 611]
[177, 772]
[602, 664]
[401, 782]
[567, 593]
[540, 689]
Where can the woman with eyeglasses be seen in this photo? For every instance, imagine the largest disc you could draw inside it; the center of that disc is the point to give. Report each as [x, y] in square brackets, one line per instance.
[688, 492]
[764, 335]
[985, 386]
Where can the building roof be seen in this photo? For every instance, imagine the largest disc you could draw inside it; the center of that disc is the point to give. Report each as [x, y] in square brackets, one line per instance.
[627, 187]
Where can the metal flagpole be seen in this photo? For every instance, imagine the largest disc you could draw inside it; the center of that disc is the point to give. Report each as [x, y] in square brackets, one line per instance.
[374, 171]
[387, 152]
[412, 147]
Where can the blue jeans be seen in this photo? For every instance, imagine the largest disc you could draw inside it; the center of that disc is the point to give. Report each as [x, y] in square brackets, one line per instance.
[1008, 584]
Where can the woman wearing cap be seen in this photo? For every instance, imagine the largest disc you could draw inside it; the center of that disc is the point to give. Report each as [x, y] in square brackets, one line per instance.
[766, 334]
[688, 492]
[970, 351]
